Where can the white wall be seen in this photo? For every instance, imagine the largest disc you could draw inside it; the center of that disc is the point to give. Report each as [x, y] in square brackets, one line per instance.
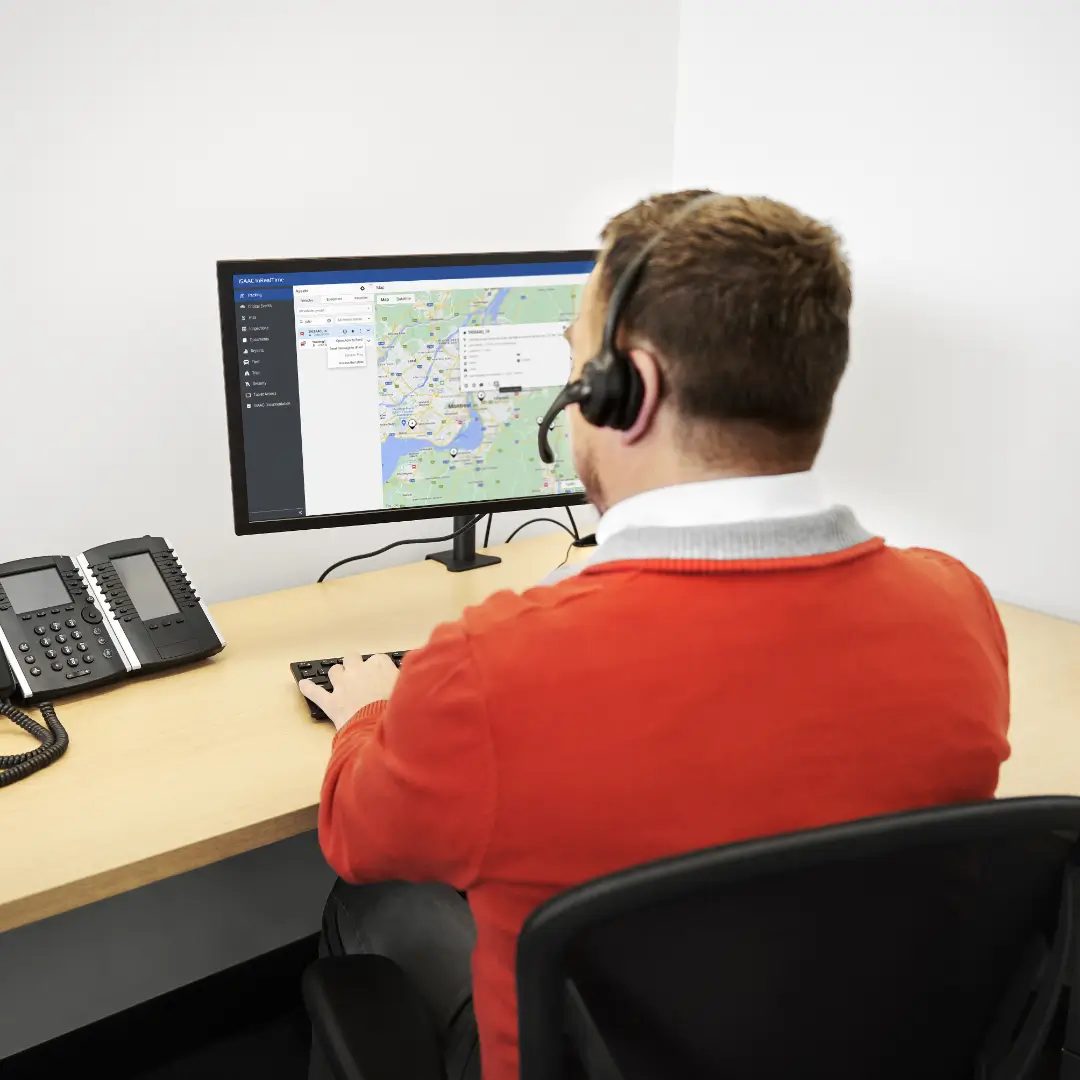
[140, 142]
[943, 138]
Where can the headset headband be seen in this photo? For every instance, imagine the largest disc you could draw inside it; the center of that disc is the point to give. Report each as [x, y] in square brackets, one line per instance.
[582, 390]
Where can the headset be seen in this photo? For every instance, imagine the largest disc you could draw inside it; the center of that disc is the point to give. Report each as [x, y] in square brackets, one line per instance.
[609, 390]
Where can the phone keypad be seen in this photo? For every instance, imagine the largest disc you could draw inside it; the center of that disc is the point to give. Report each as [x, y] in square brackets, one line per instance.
[89, 658]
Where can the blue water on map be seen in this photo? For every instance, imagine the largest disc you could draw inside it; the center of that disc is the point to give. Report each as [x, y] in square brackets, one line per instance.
[394, 448]
[470, 437]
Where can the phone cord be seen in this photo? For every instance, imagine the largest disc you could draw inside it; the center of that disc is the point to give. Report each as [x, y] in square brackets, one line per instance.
[53, 739]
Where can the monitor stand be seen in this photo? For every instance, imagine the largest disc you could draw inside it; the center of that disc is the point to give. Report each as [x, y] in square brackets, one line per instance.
[463, 556]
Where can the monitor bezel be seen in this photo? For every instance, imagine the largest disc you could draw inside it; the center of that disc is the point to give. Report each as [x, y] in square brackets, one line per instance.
[226, 268]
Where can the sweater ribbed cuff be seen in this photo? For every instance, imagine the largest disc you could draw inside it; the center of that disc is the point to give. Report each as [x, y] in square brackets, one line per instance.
[369, 712]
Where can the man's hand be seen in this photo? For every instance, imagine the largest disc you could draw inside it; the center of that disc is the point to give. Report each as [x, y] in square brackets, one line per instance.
[356, 682]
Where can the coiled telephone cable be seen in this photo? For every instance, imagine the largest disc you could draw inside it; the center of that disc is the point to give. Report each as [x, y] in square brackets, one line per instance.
[53, 739]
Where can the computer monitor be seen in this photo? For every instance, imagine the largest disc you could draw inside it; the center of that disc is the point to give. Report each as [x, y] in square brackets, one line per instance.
[368, 389]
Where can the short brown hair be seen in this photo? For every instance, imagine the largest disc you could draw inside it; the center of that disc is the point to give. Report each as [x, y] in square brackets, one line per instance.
[746, 302]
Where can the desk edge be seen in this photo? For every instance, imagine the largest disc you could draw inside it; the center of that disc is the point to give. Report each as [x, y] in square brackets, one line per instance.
[121, 879]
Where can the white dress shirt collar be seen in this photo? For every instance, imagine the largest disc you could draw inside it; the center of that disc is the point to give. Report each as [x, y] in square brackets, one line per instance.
[716, 502]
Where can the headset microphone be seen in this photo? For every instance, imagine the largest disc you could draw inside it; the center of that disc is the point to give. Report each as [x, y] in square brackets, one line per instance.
[573, 393]
[609, 390]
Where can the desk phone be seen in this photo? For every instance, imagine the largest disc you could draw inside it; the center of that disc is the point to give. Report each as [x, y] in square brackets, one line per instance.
[71, 622]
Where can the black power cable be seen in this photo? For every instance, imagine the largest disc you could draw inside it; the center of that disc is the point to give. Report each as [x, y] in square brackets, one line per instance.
[564, 558]
[401, 543]
[573, 524]
[54, 742]
[536, 521]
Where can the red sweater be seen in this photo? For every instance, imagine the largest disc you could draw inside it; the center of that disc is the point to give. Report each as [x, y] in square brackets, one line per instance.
[646, 708]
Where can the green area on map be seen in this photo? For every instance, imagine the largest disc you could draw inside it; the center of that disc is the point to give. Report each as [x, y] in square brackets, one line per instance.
[443, 445]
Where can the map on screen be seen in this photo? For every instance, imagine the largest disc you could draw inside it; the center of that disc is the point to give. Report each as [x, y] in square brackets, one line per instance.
[464, 376]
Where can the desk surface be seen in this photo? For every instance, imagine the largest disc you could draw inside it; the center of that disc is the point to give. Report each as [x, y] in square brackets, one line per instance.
[171, 772]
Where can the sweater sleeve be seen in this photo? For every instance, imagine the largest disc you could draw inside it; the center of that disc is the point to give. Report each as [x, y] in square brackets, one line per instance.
[410, 791]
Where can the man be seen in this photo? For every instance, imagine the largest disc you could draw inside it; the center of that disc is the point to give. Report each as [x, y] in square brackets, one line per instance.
[738, 658]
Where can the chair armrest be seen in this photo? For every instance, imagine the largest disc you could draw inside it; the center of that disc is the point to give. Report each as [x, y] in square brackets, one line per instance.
[369, 1021]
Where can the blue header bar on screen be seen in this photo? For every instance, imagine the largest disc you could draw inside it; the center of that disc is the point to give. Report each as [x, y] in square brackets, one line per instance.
[407, 273]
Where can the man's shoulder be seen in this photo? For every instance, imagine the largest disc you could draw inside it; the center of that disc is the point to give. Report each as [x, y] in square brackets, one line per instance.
[543, 606]
[938, 566]
[591, 598]
[957, 586]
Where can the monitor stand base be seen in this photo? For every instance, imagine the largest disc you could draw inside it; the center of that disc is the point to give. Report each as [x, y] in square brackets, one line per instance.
[463, 556]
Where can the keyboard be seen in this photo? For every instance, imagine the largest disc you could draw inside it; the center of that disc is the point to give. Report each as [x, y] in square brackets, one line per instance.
[317, 670]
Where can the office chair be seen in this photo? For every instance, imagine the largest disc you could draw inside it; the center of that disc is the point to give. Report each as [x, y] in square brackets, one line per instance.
[936, 944]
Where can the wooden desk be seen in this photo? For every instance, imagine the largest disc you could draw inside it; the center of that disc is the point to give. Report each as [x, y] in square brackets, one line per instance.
[1044, 666]
[171, 772]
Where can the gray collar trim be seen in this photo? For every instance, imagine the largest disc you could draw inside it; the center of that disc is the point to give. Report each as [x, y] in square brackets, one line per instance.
[831, 530]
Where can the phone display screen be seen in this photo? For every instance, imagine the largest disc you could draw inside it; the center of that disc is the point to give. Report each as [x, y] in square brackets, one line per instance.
[36, 589]
[145, 586]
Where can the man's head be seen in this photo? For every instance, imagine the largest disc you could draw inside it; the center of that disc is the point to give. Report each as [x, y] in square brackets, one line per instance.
[739, 330]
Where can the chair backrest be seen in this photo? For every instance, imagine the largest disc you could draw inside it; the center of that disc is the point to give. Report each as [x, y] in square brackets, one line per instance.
[894, 947]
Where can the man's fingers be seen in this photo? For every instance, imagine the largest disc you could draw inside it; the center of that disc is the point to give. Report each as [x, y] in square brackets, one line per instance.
[313, 691]
[382, 660]
[350, 662]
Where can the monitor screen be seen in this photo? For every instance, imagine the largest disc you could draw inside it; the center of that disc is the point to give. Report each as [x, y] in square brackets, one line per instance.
[145, 586]
[369, 389]
[36, 589]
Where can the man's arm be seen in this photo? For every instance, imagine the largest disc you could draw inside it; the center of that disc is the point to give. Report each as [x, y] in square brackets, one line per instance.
[410, 790]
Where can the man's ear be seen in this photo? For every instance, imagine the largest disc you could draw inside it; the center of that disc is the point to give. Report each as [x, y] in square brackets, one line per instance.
[649, 370]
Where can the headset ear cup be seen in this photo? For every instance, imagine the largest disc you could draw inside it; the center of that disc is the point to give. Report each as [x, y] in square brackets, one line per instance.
[632, 396]
[624, 393]
[596, 375]
[615, 392]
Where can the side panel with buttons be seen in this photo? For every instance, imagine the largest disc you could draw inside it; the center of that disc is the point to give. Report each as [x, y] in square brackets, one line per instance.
[155, 614]
[52, 632]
